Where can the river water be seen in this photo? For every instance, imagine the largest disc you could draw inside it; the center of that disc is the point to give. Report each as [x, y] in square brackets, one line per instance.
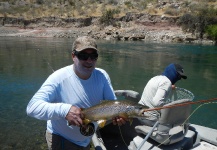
[25, 63]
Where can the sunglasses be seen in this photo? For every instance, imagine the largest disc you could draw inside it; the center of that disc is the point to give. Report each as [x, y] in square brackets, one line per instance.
[85, 56]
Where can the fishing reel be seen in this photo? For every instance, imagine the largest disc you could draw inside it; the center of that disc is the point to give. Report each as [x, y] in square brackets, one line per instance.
[87, 130]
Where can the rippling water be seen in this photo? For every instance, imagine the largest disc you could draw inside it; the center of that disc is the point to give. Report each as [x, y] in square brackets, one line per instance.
[25, 63]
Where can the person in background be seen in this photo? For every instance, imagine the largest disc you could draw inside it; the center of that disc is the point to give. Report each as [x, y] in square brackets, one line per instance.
[157, 90]
[66, 91]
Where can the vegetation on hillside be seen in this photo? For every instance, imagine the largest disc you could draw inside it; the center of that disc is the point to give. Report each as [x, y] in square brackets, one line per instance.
[212, 32]
[196, 16]
[202, 19]
[30, 9]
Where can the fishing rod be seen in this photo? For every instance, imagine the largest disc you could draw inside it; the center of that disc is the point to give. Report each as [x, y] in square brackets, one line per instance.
[181, 104]
[45, 60]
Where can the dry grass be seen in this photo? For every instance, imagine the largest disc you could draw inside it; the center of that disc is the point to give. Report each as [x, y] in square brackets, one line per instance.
[30, 9]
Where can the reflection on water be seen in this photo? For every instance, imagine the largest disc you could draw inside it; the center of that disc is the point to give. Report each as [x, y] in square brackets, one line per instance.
[26, 62]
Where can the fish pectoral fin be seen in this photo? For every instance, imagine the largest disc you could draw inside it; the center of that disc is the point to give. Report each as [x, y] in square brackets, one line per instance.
[86, 121]
[125, 116]
[101, 123]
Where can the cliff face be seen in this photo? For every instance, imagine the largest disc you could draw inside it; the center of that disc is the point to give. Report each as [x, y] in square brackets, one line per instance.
[150, 20]
[133, 26]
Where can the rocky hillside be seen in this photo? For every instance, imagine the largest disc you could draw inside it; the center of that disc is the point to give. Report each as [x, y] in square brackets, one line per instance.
[103, 19]
[31, 9]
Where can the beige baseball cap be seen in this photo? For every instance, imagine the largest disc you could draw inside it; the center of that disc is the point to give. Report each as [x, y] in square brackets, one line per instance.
[84, 42]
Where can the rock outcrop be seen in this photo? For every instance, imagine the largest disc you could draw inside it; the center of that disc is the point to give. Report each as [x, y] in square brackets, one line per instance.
[133, 26]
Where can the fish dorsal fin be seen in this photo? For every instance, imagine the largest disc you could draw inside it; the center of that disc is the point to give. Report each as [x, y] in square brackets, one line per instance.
[105, 101]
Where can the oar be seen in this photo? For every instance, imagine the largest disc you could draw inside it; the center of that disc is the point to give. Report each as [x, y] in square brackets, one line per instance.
[181, 104]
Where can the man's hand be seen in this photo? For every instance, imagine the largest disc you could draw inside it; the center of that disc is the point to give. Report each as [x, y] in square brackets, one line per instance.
[119, 121]
[74, 116]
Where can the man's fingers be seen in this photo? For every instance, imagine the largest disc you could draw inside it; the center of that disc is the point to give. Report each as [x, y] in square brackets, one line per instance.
[114, 121]
[75, 123]
[119, 121]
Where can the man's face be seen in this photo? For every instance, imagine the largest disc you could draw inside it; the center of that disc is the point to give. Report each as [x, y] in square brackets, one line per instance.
[85, 62]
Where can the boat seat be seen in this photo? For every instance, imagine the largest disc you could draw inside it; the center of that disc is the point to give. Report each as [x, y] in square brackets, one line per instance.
[185, 144]
[171, 126]
[127, 94]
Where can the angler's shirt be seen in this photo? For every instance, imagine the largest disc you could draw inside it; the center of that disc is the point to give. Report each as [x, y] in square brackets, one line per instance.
[63, 89]
[156, 93]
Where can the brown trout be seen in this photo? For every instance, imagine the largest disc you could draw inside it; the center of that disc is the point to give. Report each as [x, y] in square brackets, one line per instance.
[109, 109]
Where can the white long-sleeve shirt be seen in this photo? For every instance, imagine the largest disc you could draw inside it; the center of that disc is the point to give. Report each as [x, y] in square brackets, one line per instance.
[63, 89]
[156, 93]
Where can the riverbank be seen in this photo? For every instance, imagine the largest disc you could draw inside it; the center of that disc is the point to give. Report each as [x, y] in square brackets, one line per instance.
[158, 30]
[158, 21]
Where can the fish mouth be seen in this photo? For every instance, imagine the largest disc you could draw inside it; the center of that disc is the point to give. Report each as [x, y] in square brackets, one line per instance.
[141, 113]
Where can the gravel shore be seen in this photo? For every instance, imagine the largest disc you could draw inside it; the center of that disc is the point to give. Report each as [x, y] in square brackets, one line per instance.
[137, 32]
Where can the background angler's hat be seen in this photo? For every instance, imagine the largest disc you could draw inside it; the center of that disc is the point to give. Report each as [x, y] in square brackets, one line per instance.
[180, 71]
[83, 43]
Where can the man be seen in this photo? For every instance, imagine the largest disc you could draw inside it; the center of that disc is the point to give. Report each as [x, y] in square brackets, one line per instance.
[158, 89]
[61, 96]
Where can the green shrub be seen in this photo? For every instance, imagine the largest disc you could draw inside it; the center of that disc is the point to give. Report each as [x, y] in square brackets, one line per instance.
[172, 11]
[187, 22]
[128, 4]
[39, 2]
[211, 30]
[198, 21]
[107, 17]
